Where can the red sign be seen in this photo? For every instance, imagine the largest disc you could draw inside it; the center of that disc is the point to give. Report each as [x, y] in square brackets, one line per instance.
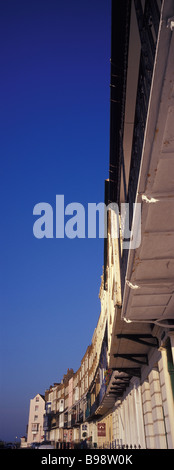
[101, 429]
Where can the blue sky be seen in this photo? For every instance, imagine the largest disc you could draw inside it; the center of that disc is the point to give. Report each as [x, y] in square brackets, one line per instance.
[55, 75]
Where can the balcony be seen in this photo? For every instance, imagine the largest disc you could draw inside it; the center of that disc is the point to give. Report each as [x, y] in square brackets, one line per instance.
[149, 269]
[91, 409]
[35, 428]
[143, 174]
[47, 422]
[148, 20]
[95, 405]
[71, 421]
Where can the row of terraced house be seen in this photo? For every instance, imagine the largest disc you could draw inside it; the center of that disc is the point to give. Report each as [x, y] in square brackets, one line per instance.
[122, 395]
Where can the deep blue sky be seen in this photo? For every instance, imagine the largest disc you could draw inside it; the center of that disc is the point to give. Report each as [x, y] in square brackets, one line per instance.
[54, 138]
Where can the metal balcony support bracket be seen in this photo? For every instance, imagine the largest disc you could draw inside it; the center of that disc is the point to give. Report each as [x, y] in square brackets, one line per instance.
[130, 371]
[123, 379]
[118, 392]
[141, 339]
[122, 383]
[116, 389]
[138, 358]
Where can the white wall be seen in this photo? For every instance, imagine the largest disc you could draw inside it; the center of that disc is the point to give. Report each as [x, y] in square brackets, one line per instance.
[35, 422]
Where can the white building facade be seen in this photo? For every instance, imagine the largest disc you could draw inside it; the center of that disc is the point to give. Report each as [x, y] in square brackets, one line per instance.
[35, 422]
[144, 417]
